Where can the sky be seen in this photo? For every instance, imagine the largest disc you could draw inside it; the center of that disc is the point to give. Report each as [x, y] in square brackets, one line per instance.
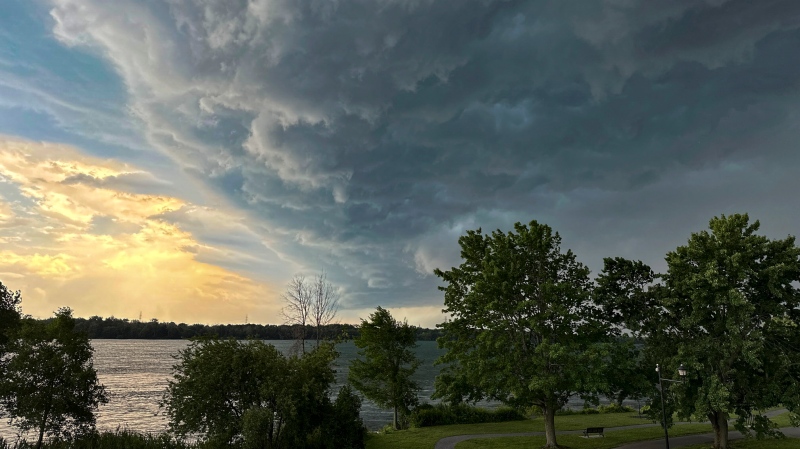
[184, 159]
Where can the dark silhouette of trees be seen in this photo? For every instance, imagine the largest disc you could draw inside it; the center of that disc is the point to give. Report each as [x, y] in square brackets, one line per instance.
[49, 384]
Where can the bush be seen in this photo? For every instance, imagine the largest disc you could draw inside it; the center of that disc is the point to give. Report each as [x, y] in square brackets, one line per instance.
[615, 408]
[427, 415]
[108, 440]
[611, 408]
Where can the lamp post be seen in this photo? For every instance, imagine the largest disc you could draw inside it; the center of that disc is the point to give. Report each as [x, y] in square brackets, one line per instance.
[682, 373]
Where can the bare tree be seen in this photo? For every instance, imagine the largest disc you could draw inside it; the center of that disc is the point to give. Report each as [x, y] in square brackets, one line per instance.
[297, 307]
[310, 303]
[324, 303]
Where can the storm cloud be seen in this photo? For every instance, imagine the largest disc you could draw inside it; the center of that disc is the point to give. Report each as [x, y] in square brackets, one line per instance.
[364, 136]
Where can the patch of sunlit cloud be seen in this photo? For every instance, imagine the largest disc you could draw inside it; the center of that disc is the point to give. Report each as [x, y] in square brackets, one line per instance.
[93, 246]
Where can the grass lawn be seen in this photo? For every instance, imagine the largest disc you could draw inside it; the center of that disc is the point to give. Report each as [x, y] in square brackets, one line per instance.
[611, 440]
[782, 420]
[788, 443]
[426, 437]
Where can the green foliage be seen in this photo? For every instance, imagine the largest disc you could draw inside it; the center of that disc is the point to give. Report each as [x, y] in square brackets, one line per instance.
[344, 428]
[9, 315]
[733, 303]
[122, 328]
[50, 384]
[121, 439]
[248, 393]
[384, 373]
[728, 309]
[427, 415]
[523, 328]
[602, 409]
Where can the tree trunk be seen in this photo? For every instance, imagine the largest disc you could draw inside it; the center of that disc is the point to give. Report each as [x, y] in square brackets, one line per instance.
[719, 421]
[395, 419]
[550, 426]
[42, 426]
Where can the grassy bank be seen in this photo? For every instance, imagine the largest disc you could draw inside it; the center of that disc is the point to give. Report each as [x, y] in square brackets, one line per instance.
[426, 437]
[612, 438]
[789, 443]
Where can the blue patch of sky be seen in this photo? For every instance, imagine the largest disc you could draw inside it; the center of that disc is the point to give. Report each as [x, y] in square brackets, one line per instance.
[28, 43]
[72, 95]
[52, 92]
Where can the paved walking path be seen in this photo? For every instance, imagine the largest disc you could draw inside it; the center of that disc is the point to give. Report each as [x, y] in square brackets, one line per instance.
[674, 442]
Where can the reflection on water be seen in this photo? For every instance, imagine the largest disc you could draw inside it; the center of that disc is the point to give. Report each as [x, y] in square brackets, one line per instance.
[135, 374]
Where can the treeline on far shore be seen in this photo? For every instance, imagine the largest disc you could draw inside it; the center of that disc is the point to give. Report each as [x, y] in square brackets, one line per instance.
[120, 328]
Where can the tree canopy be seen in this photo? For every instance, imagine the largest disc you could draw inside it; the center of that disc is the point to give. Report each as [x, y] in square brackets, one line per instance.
[9, 315]
[50, 384]
[384, 373]
[522, 325]
[248, 392]
[728, 308]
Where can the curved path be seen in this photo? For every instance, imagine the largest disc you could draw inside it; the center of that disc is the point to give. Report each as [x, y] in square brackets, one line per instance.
[674, 442]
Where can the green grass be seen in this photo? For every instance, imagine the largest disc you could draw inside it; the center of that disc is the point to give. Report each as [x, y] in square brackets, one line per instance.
[782, 420]
[788, 443]
[612, 438]
[426, 437]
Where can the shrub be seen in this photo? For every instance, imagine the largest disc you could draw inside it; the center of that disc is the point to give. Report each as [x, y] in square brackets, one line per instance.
[611, 408]
[108, 440]
[427, 415]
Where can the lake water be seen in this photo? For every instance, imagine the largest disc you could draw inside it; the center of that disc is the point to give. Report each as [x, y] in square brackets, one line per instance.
[135, 374]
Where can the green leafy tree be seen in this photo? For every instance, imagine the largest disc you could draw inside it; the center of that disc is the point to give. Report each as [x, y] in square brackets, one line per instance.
[625, 295]
[247, 392]
[522, 327]
[626, 371]
[9, 315]
[731, 312]
[728, 309]
[384, 373]
[50, 384]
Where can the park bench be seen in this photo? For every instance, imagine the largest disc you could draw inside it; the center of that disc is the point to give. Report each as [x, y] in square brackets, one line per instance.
[593, 431]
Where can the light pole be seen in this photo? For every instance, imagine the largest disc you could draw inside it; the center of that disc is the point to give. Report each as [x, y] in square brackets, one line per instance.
[682, 373]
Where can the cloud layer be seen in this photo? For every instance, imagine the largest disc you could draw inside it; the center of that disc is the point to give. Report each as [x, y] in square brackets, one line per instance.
[71, 235]
[364, 136]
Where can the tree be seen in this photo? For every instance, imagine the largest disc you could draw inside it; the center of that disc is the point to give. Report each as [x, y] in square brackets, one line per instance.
[324, 303]
[247, 392]
[522, 328]
[624, 294]
[297, 308]
[626, 375]
[728, 309]
[9, 316]
[50, 384]
[9, 323]
[384, 374]
[731, 312]
[310, 302]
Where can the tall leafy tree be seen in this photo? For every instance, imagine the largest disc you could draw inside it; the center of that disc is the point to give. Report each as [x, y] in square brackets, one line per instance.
[522, 326]
[383, 374]
[732, 307]
[50, 384]
[728, 308]
[625, 296]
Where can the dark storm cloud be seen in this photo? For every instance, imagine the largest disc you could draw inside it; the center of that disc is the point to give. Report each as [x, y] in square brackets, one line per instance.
[367, 135]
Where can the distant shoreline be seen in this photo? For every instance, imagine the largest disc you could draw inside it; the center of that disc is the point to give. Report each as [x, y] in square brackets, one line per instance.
[99, 328]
